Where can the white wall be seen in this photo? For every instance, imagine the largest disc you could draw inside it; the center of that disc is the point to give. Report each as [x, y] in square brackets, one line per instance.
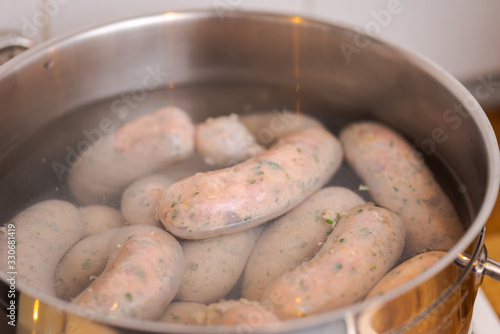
[460, 35]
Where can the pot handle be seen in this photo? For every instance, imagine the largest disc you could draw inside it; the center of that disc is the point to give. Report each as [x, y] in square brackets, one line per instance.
[482, 265]
[486, 266]
[12, 44]
[492, 269]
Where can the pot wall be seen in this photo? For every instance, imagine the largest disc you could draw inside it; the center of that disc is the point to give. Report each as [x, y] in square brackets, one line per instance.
[461, 36]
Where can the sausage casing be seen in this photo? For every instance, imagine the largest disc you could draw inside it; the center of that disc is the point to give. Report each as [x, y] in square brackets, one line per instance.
[398, 179]
[363, 246]
[139, 148]
[294, 238]
[213, 265]
[43, 233]
[253, 192]
[143, 268]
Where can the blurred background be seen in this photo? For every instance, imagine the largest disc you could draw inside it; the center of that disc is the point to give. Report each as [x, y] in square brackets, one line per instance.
[463, 37]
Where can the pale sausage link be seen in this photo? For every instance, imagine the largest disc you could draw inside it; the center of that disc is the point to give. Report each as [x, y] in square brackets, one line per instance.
[295, 238]
[365, 244]
[138, 148]
[267, 127]
[213, 265]
[99, 218]
[389, 316]
[186, 313]
[247, 315]
[43, 233]
[398, 179]
[405, 272]
[253, 192]
[225, 141]
[144, 269]
[140, 199]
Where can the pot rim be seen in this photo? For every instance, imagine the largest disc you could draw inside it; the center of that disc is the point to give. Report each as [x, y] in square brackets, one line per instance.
[418, 61]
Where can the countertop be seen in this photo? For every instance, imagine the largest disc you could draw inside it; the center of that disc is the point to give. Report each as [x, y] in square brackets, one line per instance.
[491, 287]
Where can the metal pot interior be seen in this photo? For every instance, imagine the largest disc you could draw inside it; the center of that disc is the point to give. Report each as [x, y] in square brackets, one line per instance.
[239, 64]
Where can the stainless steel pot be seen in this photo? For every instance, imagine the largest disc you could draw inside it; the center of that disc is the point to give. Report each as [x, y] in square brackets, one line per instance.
[240, 63]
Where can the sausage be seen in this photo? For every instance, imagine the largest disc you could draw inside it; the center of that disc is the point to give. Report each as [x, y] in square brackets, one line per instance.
[141, 277]
[294, 238]
[83, 263]
[186, 313]
[252, 192]
[248, 315]
[43, 233]
[100, 218]
[214, 265]
[139, 200]
[394, 313]
[88, 258]
[405, 271]
[142, 267]
[398, 179]
[267, 127]
[225, 141]
[364, 245]
[139, 148]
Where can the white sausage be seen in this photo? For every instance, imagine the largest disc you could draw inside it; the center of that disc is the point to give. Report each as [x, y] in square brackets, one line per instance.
[140, 199]
[143, 267]
[267, 127]
[187, 313]
[138, 148]
[385, 317]
[214, 265]
[244, 314]
[248, 315]
[88, 258]
[294, 238]
[406, 271]
[253, 192]
[364, 245]
[43, 233]
[100, 218]
[225, 141]
[83, 263]
[398, 179]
